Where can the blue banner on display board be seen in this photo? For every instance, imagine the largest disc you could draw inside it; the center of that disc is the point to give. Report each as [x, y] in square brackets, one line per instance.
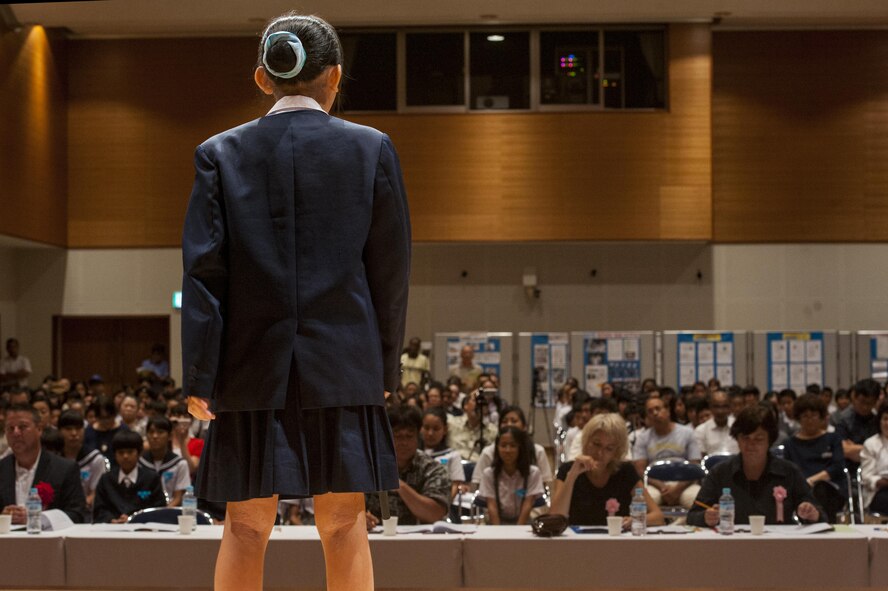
[795, 359]
[550, 352]
[611, 357]
[488, 351]
[703, 356]
[879, 357]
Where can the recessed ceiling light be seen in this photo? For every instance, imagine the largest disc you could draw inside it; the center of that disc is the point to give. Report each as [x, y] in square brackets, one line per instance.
[496, 38]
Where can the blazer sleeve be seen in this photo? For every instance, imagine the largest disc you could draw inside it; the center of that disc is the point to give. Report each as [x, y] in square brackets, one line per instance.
[387, 259]
[103, 508]
[72, 500]
[204, 281]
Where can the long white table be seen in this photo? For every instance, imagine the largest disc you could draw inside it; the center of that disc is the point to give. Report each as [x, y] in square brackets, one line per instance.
[511, 558]
[294, 559]
[32, 560]
[91, 557]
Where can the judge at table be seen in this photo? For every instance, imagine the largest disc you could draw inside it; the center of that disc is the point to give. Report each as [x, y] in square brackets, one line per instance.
[760, 483]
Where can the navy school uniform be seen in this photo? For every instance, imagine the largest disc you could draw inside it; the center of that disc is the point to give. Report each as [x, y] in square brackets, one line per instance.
[296, 255]
[114, 499]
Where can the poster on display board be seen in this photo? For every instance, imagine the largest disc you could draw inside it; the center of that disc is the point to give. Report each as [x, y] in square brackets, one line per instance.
[703, 356]
[795, 359]
[612, 357]
[879, 357]
[551, 362]
[488, 351]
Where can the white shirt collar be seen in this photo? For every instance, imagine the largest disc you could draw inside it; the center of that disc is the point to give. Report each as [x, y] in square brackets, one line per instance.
[295, 102]
[20, 472]
[133, 476]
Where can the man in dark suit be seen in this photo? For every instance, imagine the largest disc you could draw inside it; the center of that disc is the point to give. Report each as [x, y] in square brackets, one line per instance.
[56, 478]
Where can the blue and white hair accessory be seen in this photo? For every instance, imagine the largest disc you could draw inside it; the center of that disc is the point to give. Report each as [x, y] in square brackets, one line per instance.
[295, 45]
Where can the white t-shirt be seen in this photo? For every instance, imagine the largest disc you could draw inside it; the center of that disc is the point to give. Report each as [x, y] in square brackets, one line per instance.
[512, 490]
[679, 443]
[452, 461]
[541, 460]
[10, 365]
[713, 439]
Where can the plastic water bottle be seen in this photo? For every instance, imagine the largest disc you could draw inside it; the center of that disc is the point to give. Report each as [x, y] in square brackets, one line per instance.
[726, 513]
[35, 509]
[638, 513]
[189, 504]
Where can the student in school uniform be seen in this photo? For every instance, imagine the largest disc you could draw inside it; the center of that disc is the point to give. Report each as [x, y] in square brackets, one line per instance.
[128, 487]
[172, 467]
[91, 463]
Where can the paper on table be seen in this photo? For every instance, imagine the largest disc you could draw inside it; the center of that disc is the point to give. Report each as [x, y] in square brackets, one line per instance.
[795, 530]
[55, 520]
[439, 527]
[131, 527]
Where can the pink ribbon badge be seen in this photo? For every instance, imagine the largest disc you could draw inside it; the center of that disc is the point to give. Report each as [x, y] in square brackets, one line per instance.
[612, 506]
[779, 497]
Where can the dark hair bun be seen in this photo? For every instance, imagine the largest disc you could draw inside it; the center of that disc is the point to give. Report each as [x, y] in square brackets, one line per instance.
[318, 38]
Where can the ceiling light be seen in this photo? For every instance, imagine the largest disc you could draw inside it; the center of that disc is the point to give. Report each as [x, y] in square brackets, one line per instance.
[496, 38]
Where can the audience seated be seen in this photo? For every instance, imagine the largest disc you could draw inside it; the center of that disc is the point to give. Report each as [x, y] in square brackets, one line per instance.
[512, 483]
[424, 494]
[92, 464]
[513, 416]
[666, 440]
[756, 478]
[583, 486]
[874, 466]
[434, 443]
[128, 487]
[159, 456]
[57, 479]
[100, 432]
[819, 455]
[714, 436]
[583, 408]
[472, 431]
[857, 423]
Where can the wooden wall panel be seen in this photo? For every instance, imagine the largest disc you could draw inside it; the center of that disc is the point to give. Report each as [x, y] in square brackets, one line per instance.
[800, 136]
[33, 136]
[139, 107]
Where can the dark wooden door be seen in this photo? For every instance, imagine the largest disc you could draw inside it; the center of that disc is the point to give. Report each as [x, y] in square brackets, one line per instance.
[112, 346]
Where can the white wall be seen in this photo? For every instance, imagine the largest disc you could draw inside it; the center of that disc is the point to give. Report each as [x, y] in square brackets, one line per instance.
[636, 286]
[792, 286]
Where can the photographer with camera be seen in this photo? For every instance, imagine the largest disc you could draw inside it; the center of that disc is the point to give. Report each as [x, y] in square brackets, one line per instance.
[471, 432]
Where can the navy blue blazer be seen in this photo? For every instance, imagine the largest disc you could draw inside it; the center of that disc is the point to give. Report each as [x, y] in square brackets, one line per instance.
[296, 252]
[62, 474]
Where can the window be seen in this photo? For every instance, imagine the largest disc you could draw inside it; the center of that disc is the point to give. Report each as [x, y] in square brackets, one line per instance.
[435, 64]
[569, 63]
[499, 65]
[370, 73]
[634, 70]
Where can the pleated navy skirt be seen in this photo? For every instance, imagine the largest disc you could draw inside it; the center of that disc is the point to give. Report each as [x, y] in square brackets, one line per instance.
[297, 453]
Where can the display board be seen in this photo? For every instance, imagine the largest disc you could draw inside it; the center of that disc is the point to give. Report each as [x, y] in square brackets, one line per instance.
[795, 358]
[493, 354]
[872, 354]
[624, 358]
[703, 356]
[700, 355]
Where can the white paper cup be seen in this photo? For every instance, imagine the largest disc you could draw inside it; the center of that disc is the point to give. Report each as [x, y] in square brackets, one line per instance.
[5, 524]
[757, 524]
[390, 526]
[186, 524]
[614, 525]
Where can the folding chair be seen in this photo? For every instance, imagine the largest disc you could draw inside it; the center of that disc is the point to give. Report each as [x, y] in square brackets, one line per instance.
[168, 515]
[673, 470]
[712, 460]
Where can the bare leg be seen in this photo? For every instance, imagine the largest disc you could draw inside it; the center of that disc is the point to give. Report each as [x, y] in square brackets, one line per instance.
[343, 529]
[241, 559]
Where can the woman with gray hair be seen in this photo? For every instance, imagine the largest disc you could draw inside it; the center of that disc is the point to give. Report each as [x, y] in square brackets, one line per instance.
[584, 486]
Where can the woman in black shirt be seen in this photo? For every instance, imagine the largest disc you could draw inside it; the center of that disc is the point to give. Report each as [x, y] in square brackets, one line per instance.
[583, 487]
